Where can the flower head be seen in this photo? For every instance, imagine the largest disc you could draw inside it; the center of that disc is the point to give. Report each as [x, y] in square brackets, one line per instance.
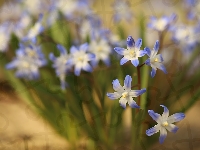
[125, 93]
[60, 64]
[155, 60]
[164, 123]
[80, 59]
[132, 52]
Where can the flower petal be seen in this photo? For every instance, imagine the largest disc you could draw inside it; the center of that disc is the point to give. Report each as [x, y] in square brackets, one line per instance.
[162, 67]
[156, 46]
[119, 50]
[148, 51]
[127, 82]
[52, 57]
[61, 49]
[141, 53]
[172, 128]
[130, 41]
[84, 47]
[114, 95]
[123, 61]
[123, 102]
[163, 135]
[155, 116]
[73, 49]
[138, 43]
[136, 93]
[135, 62]
[116, 85]
[153, 130]
[87, 67]
[90, 56]
[175, 117]
[165, 113]
[147, 62]
[153, 72]
[132, 103]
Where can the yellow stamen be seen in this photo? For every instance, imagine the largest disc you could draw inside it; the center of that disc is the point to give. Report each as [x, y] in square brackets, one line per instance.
[165, 124]
[156, 60]
[132, 53]
[125, 94]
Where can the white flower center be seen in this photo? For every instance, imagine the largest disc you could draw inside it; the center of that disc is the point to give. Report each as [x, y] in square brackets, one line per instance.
[25, 64]
[165, 123]
[156, 60]
[132, 54]
[161, 24]
[125, 94]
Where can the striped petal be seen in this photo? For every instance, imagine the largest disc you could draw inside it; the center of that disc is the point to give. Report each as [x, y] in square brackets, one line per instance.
[148, 51]
[116, 85]
[114, 95]
[123, 61]
[123, 102]
[127, 82]
[153, 130]
[132, 103]
[155, 116]
[153, 72]
[163, 135]
[136, 93]
[138, 43]
[172, 128]
[175, 117]
[156, 46]
[165, 113]
[119, 50]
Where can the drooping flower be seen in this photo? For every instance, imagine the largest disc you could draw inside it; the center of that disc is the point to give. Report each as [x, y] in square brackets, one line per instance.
[132, 52]
[164, 123]
[27, 62]
[101, 49]
[122, 11]
[80, 59]
[155, 60]
[125, 93]
[60, 64]
[162, 23]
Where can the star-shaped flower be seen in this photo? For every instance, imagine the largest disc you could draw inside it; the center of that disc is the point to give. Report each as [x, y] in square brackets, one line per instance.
[132, 52]
[164, 123]
[154, 60]
[125, 93]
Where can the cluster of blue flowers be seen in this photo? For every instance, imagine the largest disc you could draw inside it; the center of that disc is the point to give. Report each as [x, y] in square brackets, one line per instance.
[132, 52]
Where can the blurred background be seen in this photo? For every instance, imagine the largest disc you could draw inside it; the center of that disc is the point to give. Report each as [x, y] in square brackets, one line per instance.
[23, 129]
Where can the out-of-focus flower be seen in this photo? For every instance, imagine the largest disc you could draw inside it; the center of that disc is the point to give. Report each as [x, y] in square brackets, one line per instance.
[34, 8]
[162, 23]
[101, 49]
[125, 93]
[155, 60]
[187, 37]
[4, 36]
[164, 123]
[60, 64]
[122, 11]
[194, 9]
[27, 62]
[132, 52]
[80, 59]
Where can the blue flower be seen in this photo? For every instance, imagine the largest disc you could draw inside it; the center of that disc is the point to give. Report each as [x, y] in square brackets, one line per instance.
[155, 60]
[122, 10]
[27, 62]
[132, 52]
[80, 59]
[162, 23]
[60, 64]
[164, 123]
[125, 93]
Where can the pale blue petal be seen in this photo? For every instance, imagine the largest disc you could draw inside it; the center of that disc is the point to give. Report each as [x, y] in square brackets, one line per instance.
[123, 61]
[148, 62]
[163, 135]
[156, 46]
[155, 116]
[52, 57]
[119, 50]
[123, 102]
[148, 51]
[152, 130]
[153, 72]
[84, 47]
[73, 49]
[141, 53]
[135, 62]
[136, 93]
[162, 67]
[61, 49]
[165, 113]
[87, 67]
[175, 117]
[91, 56]
[77, 70]
[138, 43]
[172, 128]
[127, 82]
[107, 61]
[133, 104]
[114, 95]
[116, 85]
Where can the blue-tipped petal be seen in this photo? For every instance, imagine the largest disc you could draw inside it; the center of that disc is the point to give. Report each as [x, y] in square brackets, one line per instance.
[155, 116]
[116, 85]
[87, 67]
[141, 53]
[73, 49]
[165, 113]
[123, 61]
[77, 70]
[84, 47]
[123, 102]
[148, 51]
[163, 135]
[162, 67]
[91, 56]
[136, 93]
[127, 82]
[153, 72]
[119, 50]
[133, 104]
[52, 57]
[61, 49]
[152, 130]
[172, 128]
[130, 41]
[138, 44]
[175, 117]
[114, 95]
[148, 62]
[156, 46]
[135, 62]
